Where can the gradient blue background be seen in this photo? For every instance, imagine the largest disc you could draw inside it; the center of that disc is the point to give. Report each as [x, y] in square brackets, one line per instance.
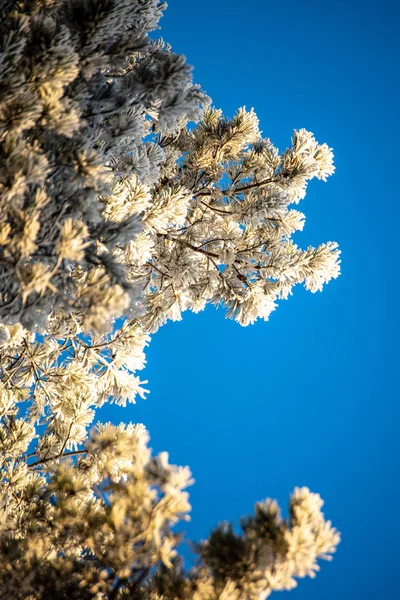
[308, 398]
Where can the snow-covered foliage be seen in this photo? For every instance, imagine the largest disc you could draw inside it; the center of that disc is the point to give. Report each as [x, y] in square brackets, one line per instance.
[101, 527]
[112, 205]
[81, 85]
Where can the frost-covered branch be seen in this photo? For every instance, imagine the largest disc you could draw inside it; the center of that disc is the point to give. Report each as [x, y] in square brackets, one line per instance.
[81, 84]
[111, 206]
[102, 527]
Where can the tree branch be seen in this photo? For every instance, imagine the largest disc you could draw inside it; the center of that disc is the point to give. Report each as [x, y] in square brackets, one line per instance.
[66, 454]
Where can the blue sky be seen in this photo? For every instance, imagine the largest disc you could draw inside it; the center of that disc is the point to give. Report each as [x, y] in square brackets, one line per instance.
[308, 398]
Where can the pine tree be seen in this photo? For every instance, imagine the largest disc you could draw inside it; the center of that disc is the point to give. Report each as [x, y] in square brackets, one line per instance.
[81, 83]
[99, 524]
[123, 194]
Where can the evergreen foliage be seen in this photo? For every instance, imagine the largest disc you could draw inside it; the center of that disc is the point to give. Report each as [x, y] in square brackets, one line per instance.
[124, 194]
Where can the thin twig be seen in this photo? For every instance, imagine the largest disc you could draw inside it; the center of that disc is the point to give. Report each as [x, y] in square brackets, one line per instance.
[51, 458]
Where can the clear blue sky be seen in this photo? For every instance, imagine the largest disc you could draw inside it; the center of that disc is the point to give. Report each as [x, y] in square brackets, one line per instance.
[308, 398]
